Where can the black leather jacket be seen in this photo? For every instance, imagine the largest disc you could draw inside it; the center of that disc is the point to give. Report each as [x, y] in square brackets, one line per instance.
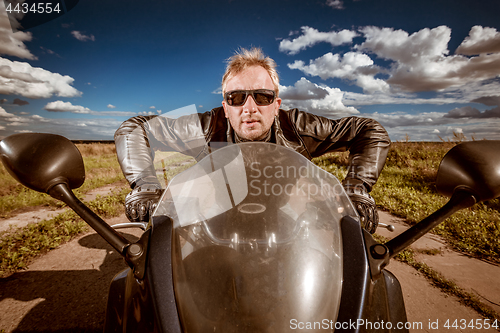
[197, 134]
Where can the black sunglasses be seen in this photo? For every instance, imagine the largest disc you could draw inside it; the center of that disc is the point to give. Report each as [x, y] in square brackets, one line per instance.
[260, 96]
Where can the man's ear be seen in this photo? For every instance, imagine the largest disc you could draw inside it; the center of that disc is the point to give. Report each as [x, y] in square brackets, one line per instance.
[278, 104]
[224, 105]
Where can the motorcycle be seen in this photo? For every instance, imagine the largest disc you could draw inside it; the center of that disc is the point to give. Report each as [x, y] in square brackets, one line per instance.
[252, 238]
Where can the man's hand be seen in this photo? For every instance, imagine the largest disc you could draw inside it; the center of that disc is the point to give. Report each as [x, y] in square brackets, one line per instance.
[364, 204]
[140, 203]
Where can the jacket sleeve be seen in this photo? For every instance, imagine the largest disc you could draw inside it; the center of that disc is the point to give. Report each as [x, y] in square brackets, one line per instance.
[366, 140]
[137, 139]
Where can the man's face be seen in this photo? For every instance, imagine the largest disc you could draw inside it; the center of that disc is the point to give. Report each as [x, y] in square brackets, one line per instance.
[251, 121]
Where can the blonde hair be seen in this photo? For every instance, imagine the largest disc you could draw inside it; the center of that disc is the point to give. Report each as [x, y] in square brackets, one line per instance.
[244, 59]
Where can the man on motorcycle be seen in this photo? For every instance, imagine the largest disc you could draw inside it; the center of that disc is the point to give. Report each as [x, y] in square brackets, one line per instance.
[251, 112]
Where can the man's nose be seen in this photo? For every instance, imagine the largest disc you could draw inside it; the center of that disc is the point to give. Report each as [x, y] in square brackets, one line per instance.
[250, 105]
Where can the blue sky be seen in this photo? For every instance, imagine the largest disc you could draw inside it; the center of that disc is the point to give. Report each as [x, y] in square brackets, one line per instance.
[423, 69]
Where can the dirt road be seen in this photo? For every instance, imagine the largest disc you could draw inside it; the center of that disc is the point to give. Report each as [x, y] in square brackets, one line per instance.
[66, 290]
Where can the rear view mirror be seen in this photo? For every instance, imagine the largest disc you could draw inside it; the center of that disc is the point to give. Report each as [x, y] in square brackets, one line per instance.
[471, 166]
[52, 164]
[40, 161]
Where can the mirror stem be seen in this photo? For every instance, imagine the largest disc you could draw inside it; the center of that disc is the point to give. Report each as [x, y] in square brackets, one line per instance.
[459, 200]
[62, 192]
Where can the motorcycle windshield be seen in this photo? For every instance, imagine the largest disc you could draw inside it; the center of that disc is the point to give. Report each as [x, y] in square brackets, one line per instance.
[257, 244]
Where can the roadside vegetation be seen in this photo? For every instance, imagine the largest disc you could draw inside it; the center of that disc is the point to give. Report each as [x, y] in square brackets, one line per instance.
[406, 188]
[19, 246]
[449, 287]
[101, 168]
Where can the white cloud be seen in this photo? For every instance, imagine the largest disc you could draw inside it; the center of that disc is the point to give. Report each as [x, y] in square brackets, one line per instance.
[402, 119]
[9, 120]
[114, 113]
[336, 4]
[45, 50]
[470, 112]
[421, 61]
[412, 63]
[81, 37]
[20, 78]
[217, 91]
[434, 126]
[480, 40]
[311, 36]
[6, 72]
[415, 62]
[3, 113]
[60, 106]
[324, 101]
[9, 117]
[353, 66]
[473, 91]
[333, 65]
[378, 98]
[488, 100]
[147, 113]
[111, 106]
[398, 45]
[448, 72]
[303, 90]
[11, 43]
[73, 128]
[463, 112]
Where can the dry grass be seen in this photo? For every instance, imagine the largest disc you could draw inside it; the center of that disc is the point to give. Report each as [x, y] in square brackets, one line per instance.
[96, 149]
[407, 188]
[101, 168]
[20, 246]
